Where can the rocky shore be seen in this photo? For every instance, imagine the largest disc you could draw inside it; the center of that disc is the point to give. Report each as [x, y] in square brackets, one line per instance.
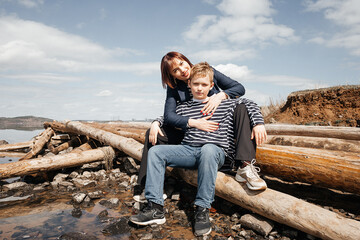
[93, 203]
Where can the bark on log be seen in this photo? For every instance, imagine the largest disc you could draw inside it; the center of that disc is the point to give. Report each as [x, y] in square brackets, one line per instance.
[15, 146]
[22, 168]
[349, 133]
[332, 169]
[91, 144]
[127, 145]
[39, 144]
[282, 208]
[315, 142]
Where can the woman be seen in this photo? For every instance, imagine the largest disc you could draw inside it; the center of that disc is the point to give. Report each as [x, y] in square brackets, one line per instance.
[175, 71]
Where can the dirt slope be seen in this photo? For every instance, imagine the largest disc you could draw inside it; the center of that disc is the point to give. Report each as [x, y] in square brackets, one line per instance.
[335, 106]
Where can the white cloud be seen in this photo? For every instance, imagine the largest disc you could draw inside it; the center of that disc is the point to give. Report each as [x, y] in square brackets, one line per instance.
[30, 3]
[244, 74]
[29, 45]
[344, 13]
[47, 78]
[242, 22]
[104, 93]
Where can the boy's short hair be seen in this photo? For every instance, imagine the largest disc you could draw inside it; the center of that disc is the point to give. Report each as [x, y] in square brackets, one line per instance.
[202, 69]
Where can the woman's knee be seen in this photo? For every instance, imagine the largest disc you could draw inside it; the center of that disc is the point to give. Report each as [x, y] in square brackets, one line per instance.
[211, 152]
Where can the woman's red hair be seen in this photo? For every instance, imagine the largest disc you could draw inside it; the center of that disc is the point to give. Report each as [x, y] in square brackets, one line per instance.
[166, 77]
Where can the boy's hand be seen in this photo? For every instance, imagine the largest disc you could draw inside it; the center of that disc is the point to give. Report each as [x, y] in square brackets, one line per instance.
[212, 103]
[203, 124]
[154, 131]
[259, 132]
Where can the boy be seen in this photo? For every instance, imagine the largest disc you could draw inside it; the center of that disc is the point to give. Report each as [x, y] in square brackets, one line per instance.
[200, 150]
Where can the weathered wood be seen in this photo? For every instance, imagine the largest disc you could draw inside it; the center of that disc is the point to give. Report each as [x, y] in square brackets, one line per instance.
[12, 154]
[58, 127]
[74, 142]
[15, 146]
[315, 142]
[349, 133]
[282, 208]
[36, 165]
[91, 144]
[332, 169]
[39, 144]
[127, 145]
[135, 133]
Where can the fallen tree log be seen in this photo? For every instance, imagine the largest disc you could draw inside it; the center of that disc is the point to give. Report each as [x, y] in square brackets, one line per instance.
[282, 208]
[15, 146]
[315, 142]
[74, 142]
[39, 144]
[127, 145]
[37, 165]
[12, 154]
[332, 169]
[349, 133]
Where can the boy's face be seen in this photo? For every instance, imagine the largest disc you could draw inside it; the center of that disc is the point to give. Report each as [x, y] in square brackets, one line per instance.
[200, 87]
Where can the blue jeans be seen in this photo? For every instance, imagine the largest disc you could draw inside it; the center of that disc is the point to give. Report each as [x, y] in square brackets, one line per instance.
[207, 159]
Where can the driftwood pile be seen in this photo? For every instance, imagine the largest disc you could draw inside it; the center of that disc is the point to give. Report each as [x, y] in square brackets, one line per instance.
[322, 156]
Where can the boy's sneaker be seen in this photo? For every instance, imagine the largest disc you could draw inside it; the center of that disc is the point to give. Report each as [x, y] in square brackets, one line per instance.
[139, 194]
[149, 215]
[202, 224]
[249, 174]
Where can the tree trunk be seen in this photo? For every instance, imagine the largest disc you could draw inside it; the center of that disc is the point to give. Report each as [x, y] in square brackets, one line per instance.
[74, 142]
[282, 208]
[332, 169]
[12, 154]
[349, 133]
[39, 144]
[15, 146]
[22, 168]
[315, 142]
[128, 145]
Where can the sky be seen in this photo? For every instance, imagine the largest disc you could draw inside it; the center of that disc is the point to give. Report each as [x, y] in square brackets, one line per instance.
[100, 60]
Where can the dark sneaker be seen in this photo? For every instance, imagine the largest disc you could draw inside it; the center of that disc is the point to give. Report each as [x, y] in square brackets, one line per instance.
[202, 224]
[149, 215]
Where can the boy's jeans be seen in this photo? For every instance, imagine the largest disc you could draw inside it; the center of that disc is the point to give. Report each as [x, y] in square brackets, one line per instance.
[207, 159]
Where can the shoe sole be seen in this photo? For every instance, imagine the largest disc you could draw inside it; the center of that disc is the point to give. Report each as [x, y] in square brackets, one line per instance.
[255, 188]
[157, 221]
[207, 233]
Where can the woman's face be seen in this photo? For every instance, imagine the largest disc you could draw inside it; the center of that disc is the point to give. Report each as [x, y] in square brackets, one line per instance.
[180, 69]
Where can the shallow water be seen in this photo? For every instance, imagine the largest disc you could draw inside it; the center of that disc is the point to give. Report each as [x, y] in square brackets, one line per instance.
[49, 217]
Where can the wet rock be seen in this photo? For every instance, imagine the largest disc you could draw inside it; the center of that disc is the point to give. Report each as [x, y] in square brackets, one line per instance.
[14, 199]
[2, 142]
[77, 236]
[235, 217]
[124, 185]
[257, 223]
[111, 203]
[133, 179]
[101, 175]
[236, 227]
[179, 214]
[87, 202]
[121, 226]
[39, 188]
[76, 213]
[15, 186]
[80, 183]
[146, 236]
[96, 194]
[78, 197]
[103, 214]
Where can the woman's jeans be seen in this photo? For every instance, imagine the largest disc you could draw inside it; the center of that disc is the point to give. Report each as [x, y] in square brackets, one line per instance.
[207, 159]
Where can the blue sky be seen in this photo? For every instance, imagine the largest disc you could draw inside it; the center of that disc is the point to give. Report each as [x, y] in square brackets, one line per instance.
[100, 60]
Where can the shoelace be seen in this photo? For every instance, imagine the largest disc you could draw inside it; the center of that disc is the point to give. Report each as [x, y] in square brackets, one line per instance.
[201, 215]
[254, 170]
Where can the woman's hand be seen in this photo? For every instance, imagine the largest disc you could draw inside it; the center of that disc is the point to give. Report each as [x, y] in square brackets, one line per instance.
[204, 124]
[154, 131]
[259, 132]
[212, 103]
